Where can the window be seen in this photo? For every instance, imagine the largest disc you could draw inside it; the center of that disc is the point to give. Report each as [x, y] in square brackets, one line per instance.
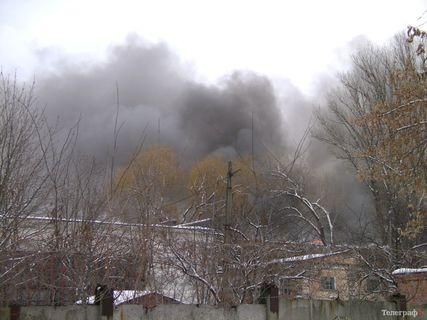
[328, 283]
[285, 287]
[40, 296]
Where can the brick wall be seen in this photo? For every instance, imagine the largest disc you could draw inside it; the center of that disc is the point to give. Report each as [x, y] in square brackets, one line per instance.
[414, 287]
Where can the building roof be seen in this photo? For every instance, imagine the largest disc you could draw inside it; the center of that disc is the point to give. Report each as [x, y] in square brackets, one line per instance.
[409, 271]
[307, 257]
[124, 296]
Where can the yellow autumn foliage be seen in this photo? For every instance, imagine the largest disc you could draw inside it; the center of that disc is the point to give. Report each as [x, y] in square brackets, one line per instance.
[156, 166]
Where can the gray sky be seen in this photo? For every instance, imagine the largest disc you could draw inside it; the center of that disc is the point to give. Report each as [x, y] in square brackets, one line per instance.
[295, 40]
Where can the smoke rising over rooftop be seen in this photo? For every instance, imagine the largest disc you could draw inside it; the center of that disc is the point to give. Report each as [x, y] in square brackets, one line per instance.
[161, 100]
[159, 92]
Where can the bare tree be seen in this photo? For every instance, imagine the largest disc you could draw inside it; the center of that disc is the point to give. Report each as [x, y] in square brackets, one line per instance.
[231, 269]
[23, 177]
[58, 239]
[376, 122]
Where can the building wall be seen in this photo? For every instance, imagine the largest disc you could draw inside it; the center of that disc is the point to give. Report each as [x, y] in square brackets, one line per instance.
[414, 287]
[341, 290]
[350, 275]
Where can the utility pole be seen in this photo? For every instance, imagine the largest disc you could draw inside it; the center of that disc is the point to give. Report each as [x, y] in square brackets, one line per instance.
[226, 281]
[158, 132]
[228, 202]
[252, 142]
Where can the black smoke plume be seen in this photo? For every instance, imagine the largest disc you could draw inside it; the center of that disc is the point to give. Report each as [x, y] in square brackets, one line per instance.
[160, 99]
[158, 92]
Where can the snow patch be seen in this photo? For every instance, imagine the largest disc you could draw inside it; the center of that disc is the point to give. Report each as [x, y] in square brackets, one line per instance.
[307, 257]
[408, 270]
[120, 296]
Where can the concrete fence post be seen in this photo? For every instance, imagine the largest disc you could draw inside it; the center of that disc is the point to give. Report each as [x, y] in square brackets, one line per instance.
[104, 298]
[15, 312]
[270, 297]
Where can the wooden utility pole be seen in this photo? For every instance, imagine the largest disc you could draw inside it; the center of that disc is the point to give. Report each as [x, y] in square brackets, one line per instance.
[226, 281]
[228, 203]
[158, 132]
[252, 143]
